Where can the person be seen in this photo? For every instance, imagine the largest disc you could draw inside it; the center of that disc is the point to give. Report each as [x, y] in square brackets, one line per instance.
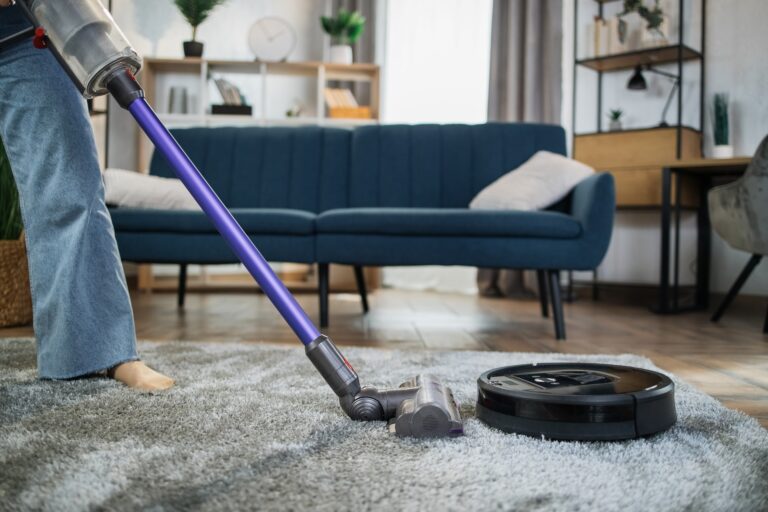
[82, 313]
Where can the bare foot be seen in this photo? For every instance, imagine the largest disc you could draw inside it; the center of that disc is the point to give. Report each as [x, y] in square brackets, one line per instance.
[137, 375]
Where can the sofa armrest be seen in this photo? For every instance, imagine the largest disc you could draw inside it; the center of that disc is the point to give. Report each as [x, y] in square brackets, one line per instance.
[593, 204]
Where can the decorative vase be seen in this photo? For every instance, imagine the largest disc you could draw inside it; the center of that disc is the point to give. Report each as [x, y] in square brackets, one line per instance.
[15, 296]
[615, 126]
[654, 38]
[633, 31]
[341, 54]
[722, 151]
[193, 49]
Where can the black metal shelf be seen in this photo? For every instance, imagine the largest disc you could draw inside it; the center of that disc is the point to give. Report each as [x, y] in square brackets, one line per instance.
[643, 57]
[677, 54]
[642, 129]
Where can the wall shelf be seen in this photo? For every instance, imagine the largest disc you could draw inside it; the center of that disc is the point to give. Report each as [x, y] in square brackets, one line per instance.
[676, 54]
[643, 57]
[637, 156]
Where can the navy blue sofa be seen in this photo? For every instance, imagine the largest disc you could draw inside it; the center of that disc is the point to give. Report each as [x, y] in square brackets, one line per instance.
[376, 196]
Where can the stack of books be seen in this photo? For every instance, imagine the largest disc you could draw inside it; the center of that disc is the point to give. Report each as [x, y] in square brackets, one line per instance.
[234, 101]
[343, 105]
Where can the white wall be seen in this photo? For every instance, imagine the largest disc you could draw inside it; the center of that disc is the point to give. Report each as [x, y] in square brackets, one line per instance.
[735, 44]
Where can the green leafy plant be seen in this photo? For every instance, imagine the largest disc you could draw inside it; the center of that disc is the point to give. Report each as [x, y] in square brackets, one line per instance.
[653, 17]
[720, 119]
[196, 11]
[345, 28]
[615, 114]
[10, 213]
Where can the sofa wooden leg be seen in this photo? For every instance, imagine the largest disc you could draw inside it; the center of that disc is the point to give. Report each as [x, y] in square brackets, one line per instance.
[595, 289]
[322, 287]
[182, 290]
[541, 276]
[361, 289]
[557, 303]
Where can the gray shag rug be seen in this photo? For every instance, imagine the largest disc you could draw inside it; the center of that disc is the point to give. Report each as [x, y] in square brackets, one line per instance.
[253, 426]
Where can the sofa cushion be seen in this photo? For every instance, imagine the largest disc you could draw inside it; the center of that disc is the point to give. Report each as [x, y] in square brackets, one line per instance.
[439, 166]
[474, 251]
[210, 248]
[448, 222]
[278, 221]
[300, 168]
[540, 182]
[130, 189]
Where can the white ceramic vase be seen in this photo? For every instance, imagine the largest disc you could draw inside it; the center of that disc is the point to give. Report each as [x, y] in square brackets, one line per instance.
[341, 54]
[615, 126]
[722, 151]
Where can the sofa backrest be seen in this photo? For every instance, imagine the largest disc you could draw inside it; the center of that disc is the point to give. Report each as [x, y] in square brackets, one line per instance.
[440, 166]
[315, 169]
[303, 168]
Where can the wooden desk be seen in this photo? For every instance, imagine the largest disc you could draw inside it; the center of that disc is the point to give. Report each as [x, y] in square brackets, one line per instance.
[702, 171]
[636, 159]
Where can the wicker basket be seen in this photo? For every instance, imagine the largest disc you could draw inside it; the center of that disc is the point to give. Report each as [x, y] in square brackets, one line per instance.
[15, 297]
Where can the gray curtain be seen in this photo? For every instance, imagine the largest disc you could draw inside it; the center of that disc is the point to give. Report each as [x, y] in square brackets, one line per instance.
[525, 85]
[364, 49]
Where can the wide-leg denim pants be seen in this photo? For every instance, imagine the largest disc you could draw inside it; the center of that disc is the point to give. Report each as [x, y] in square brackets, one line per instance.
[82, 312]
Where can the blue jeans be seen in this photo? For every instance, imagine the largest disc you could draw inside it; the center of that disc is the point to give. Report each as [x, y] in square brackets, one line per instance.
[82, 312]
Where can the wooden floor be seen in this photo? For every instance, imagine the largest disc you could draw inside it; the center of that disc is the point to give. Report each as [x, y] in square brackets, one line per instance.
[727, 360]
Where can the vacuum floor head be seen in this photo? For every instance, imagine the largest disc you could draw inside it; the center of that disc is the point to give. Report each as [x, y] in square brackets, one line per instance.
[576, 401]
[421, 407]
[429, 410]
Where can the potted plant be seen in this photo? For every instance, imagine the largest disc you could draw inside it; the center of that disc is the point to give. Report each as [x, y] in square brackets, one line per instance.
[196, 12]
[654, 35]
[15, 297]
[615, 119]
[720, 127]
[344, 30]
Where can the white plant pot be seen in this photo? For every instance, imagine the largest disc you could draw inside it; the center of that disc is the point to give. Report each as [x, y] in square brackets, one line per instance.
[615, 126]
[722, 151]
[341, 54]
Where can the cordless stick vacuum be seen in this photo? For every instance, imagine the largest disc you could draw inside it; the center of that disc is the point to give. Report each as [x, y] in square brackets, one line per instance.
[100, 60]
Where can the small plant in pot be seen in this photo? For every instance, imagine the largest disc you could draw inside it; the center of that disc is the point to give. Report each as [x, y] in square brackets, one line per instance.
[344, 30]
[15, 297]
[196, 12]
[614, 115]
[654, 18]
[721, 128]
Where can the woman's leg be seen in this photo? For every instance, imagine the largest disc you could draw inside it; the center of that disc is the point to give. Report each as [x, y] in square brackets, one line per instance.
[82, 312]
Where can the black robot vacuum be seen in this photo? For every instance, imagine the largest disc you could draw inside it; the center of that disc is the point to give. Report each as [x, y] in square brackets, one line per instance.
[576, 401]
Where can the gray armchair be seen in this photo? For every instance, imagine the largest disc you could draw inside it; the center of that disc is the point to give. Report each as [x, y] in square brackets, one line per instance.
[739, 214]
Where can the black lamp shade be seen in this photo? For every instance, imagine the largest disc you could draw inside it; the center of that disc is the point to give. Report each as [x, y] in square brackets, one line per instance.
[637, 81]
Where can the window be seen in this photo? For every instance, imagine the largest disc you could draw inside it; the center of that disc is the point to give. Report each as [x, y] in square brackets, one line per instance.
[437, 61]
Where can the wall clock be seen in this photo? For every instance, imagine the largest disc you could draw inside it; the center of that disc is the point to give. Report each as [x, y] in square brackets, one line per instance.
[271, 39]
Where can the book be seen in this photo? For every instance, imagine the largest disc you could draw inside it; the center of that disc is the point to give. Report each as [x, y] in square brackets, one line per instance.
[339, 98]
[229, 93]
[600, 28]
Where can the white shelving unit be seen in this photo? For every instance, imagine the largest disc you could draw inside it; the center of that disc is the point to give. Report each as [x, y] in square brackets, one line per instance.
[159, 74]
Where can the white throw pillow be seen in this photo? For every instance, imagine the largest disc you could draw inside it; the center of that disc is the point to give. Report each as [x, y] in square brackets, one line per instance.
[540, 182]
[136, 190]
